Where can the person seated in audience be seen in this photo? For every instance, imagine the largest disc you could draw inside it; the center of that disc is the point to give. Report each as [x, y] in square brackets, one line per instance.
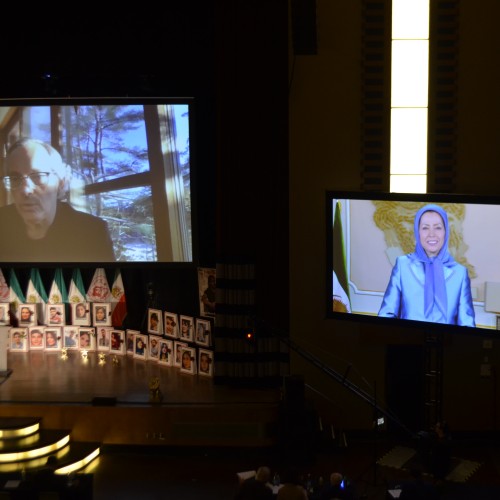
[337, 489]
[256, 487]
[440, 451]
[291, 488]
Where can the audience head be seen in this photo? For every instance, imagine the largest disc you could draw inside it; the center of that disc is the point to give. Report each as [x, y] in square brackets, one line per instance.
[336, 478]
[263, 474]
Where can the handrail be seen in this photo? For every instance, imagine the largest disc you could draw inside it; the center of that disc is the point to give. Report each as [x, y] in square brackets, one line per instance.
[340, 378]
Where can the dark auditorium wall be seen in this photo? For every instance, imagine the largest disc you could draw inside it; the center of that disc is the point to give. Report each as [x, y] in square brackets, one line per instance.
[325, 153]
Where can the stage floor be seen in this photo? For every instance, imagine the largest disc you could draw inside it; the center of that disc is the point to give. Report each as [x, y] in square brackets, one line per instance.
[111, 402]
[44, 377]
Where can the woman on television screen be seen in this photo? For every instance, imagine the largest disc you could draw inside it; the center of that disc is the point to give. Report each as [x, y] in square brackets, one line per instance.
[428, 284]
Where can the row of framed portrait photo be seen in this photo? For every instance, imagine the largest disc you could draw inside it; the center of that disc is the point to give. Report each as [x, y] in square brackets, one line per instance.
[185, 328]
[82, 314]
[56, 338]
[170, 353]
[107, 339]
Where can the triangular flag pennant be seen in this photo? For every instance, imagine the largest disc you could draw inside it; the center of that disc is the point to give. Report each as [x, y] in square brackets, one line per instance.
[58, 293]
[76, 289]
[16, 295]
[36, 294]
[4, 289]
[340, 292]
[118, 300]
[98, 290]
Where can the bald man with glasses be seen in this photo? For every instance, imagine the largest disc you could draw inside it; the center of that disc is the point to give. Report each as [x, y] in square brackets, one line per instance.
[39, 225]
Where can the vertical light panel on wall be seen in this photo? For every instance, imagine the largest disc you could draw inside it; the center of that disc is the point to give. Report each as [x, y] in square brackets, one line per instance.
[409, 95]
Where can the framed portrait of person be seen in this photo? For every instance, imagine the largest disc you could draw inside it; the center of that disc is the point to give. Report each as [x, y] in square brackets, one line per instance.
[129, 339]
[178, 346]
[206, 291]
[53, 338]
[87, 339]
[80, 313]
[117, 342]
[55, 315]
[171, 322]
[155, 325]
[154, 347]
[71, 337]
[166, 352]
[205, 362]
[202, 332]
[186, 328]
[18, 339]
[188, 360]
[26, 314]
[36, 338]
[4, 314]
[101, 314]
[103, 335]
[141, 346]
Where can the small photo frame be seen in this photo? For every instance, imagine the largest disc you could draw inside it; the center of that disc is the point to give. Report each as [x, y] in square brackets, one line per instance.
[36, 338]
[87, 339]
[80, 313]
[178, 346]
[141, 346]
[188, 360]
[203, 330]
[129, 339]
[26, 314]
[155, 325]
[18, 339]
[101, 314]
[103, 334]
[4, 314]
[71, 337]
[154, 347]
[205, 363]
[117, 342]
[53, 338]
[171, 322]
[186, 328]
[166, 352]
[55, 315]
[206, 291]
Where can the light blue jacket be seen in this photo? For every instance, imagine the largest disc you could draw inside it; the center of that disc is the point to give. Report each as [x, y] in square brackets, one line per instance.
[404, 296]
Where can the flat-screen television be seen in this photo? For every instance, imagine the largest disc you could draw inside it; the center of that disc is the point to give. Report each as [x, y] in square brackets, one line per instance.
[96, 180]
[425, 260]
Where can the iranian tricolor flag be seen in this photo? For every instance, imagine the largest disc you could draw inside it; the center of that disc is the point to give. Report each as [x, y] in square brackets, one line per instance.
[118, 300]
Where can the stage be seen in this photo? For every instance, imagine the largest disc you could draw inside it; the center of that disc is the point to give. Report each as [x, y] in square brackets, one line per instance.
[110, 402]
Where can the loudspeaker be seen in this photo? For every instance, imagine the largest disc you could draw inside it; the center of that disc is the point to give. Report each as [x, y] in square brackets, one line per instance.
[103, 401]
[303, 15]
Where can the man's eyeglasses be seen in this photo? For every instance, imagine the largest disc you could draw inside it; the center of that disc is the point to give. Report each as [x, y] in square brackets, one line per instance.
[13, 182]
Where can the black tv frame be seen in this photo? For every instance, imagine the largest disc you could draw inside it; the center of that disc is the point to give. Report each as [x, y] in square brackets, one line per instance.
[423, 198]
